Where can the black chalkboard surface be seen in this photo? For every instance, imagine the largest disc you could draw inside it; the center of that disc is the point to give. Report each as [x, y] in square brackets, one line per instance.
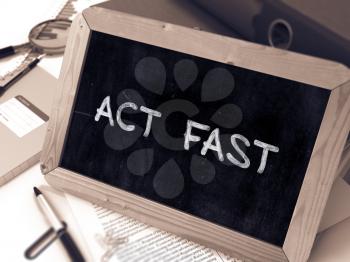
[141, 109]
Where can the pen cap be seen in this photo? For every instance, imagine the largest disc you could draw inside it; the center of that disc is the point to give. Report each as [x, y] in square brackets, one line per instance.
[6, 51]
[42, 243]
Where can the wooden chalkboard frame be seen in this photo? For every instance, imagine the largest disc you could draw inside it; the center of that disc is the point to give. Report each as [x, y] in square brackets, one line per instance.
[321, 169]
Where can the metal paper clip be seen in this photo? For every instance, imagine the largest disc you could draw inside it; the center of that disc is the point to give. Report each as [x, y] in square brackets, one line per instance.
[110, 243]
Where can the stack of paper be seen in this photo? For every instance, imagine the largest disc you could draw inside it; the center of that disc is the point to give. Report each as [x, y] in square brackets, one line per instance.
[113, 237]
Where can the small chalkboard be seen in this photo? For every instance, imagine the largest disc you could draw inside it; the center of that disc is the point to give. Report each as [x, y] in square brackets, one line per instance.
[231, 144]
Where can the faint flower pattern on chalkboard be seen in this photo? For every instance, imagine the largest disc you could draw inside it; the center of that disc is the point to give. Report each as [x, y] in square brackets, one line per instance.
[150, 73]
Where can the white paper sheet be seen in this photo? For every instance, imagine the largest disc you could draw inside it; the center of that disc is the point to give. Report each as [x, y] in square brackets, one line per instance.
[337, 208]
[103, 228]
[333, 245]
[18, 117]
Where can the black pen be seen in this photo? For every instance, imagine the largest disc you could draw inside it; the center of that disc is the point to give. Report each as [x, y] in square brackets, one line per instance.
[8, 81]
[58, 230]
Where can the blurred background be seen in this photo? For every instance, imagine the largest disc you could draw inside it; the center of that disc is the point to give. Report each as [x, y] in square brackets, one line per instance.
[316, 27]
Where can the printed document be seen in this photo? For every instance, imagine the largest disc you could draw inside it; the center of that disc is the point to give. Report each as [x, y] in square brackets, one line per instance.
[114, 237]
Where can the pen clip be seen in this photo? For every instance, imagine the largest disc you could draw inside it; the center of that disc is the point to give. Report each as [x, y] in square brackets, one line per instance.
[43, 242]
